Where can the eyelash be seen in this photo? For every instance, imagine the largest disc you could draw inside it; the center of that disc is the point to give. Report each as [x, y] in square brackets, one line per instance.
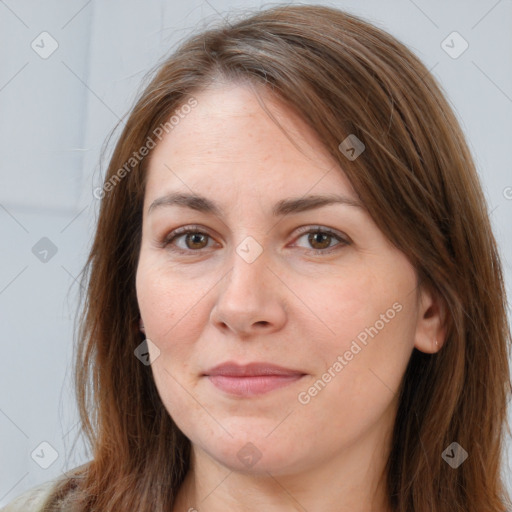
[177, 233]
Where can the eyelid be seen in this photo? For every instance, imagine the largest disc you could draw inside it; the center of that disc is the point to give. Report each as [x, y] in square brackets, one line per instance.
[324, 229]
[184, 230]
[343, 239]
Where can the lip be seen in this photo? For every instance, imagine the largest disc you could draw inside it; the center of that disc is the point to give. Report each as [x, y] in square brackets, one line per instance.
[256, 369]
[251, 379]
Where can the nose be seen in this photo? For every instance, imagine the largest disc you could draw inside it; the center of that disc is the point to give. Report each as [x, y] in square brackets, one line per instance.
[251, 299]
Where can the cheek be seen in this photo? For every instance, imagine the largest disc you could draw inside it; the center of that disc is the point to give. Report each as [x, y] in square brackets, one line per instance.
[343, 303]
[372, 301]
[371, 319]
[168, 302]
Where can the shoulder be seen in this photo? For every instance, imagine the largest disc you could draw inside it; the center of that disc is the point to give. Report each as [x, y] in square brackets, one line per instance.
[31, 500]
[57, 491]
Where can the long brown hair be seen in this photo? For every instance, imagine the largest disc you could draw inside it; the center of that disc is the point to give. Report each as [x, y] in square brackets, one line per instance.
[417, 180]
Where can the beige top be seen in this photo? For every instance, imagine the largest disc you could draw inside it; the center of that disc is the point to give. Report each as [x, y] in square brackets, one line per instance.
[31, 500]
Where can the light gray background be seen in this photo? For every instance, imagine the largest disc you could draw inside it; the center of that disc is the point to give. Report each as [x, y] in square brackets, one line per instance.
[55, 114]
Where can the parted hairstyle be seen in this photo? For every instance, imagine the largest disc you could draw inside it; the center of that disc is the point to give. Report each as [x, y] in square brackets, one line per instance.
[418, 181]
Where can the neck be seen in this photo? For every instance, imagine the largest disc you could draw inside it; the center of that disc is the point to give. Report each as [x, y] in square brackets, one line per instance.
[352, 480]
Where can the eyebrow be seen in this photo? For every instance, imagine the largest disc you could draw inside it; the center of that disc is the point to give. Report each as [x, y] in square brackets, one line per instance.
[281, 208]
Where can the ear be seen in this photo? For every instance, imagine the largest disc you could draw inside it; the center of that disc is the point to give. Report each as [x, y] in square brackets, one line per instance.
[431, 325]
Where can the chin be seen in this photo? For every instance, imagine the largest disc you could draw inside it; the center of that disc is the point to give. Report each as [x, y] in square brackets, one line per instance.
[256, 455]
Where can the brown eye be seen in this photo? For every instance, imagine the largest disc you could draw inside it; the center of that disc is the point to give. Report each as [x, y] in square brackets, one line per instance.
[319, 240]
[196, 240]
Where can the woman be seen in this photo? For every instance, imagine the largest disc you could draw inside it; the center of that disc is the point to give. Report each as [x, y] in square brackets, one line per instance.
[294, 297]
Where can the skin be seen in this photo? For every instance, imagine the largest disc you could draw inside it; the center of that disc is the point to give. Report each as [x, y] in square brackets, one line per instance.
[290, 306]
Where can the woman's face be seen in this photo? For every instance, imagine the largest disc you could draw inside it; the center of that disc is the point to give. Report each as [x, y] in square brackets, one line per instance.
[339, 308]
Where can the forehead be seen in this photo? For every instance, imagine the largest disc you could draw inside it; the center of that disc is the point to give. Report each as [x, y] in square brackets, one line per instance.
[228, 139]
